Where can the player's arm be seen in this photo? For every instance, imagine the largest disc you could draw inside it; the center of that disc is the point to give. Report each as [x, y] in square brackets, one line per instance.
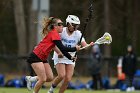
[64, 49]
[84, 43]
[59, 53]
[56, 49]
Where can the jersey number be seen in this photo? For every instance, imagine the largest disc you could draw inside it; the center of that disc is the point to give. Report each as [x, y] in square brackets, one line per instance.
[68, 46]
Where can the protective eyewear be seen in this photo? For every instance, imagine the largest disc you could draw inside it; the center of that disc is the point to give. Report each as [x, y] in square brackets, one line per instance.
[60, 24]
[75, 25]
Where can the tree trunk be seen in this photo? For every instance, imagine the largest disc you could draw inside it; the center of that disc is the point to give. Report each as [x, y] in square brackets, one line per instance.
[135, 23]
[21, 34]
[33, 28]
[107, 48]
[20, 27]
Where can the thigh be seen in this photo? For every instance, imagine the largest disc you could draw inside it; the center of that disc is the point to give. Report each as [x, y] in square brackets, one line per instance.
[60, 68]
[48, 70]
[69, 70]
[39, 69]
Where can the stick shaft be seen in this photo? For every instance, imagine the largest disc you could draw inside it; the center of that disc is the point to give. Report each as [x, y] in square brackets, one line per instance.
[85, 47]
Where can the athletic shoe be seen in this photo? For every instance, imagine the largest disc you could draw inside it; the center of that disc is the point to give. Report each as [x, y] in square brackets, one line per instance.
[50, 91]
[29, 83]
[132, 88]
[128, 89]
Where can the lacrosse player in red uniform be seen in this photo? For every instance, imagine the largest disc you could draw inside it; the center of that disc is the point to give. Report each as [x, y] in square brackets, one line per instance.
[38, 58]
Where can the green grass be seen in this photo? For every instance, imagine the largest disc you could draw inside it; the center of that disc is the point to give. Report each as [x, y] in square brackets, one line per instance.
[24, 90]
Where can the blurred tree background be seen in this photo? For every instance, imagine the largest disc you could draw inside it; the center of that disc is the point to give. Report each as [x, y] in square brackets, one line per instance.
[18, 26]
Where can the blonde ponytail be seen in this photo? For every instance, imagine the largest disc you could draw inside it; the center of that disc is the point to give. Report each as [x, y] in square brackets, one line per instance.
[48, 24]
[45, 25]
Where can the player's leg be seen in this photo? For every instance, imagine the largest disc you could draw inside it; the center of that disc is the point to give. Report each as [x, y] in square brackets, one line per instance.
[30, 79]
[60, 68]
[69, 73]
[49, 72]
[40, 71]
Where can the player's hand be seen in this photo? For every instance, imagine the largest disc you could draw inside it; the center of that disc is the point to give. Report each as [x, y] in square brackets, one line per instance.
[78, 47]
[91, 44]
[74, 59]
[60, 55]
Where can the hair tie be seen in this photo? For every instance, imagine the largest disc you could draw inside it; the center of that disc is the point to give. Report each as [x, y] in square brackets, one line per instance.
[51, 18]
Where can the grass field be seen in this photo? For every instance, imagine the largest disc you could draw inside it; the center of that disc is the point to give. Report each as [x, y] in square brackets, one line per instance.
[44, 90]
[23, 90]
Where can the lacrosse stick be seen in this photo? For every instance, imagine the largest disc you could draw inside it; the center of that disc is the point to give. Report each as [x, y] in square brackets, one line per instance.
[105, 39]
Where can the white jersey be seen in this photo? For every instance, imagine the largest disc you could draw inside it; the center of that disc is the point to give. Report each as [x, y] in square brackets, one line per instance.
[68, 41]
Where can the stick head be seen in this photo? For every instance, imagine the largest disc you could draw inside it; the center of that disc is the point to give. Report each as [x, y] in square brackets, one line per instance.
[105, 39]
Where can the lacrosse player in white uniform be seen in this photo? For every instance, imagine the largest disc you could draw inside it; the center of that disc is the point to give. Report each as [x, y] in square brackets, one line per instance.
[70, 37]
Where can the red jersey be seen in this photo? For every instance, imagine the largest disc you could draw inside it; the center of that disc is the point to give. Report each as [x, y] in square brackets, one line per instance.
[43, 49]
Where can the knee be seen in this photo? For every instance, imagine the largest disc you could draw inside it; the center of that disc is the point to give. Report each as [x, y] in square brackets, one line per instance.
[61, 76]
[67, 79]
[49, 78]
[42, 80]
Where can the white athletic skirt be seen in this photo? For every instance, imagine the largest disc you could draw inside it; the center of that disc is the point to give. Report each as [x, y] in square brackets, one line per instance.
[64, 61]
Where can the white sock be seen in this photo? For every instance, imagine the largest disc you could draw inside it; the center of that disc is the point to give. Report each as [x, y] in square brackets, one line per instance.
[51, 88]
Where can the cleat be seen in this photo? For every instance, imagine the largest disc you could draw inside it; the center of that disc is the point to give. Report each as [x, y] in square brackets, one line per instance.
[128, 89]
[29, 83]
